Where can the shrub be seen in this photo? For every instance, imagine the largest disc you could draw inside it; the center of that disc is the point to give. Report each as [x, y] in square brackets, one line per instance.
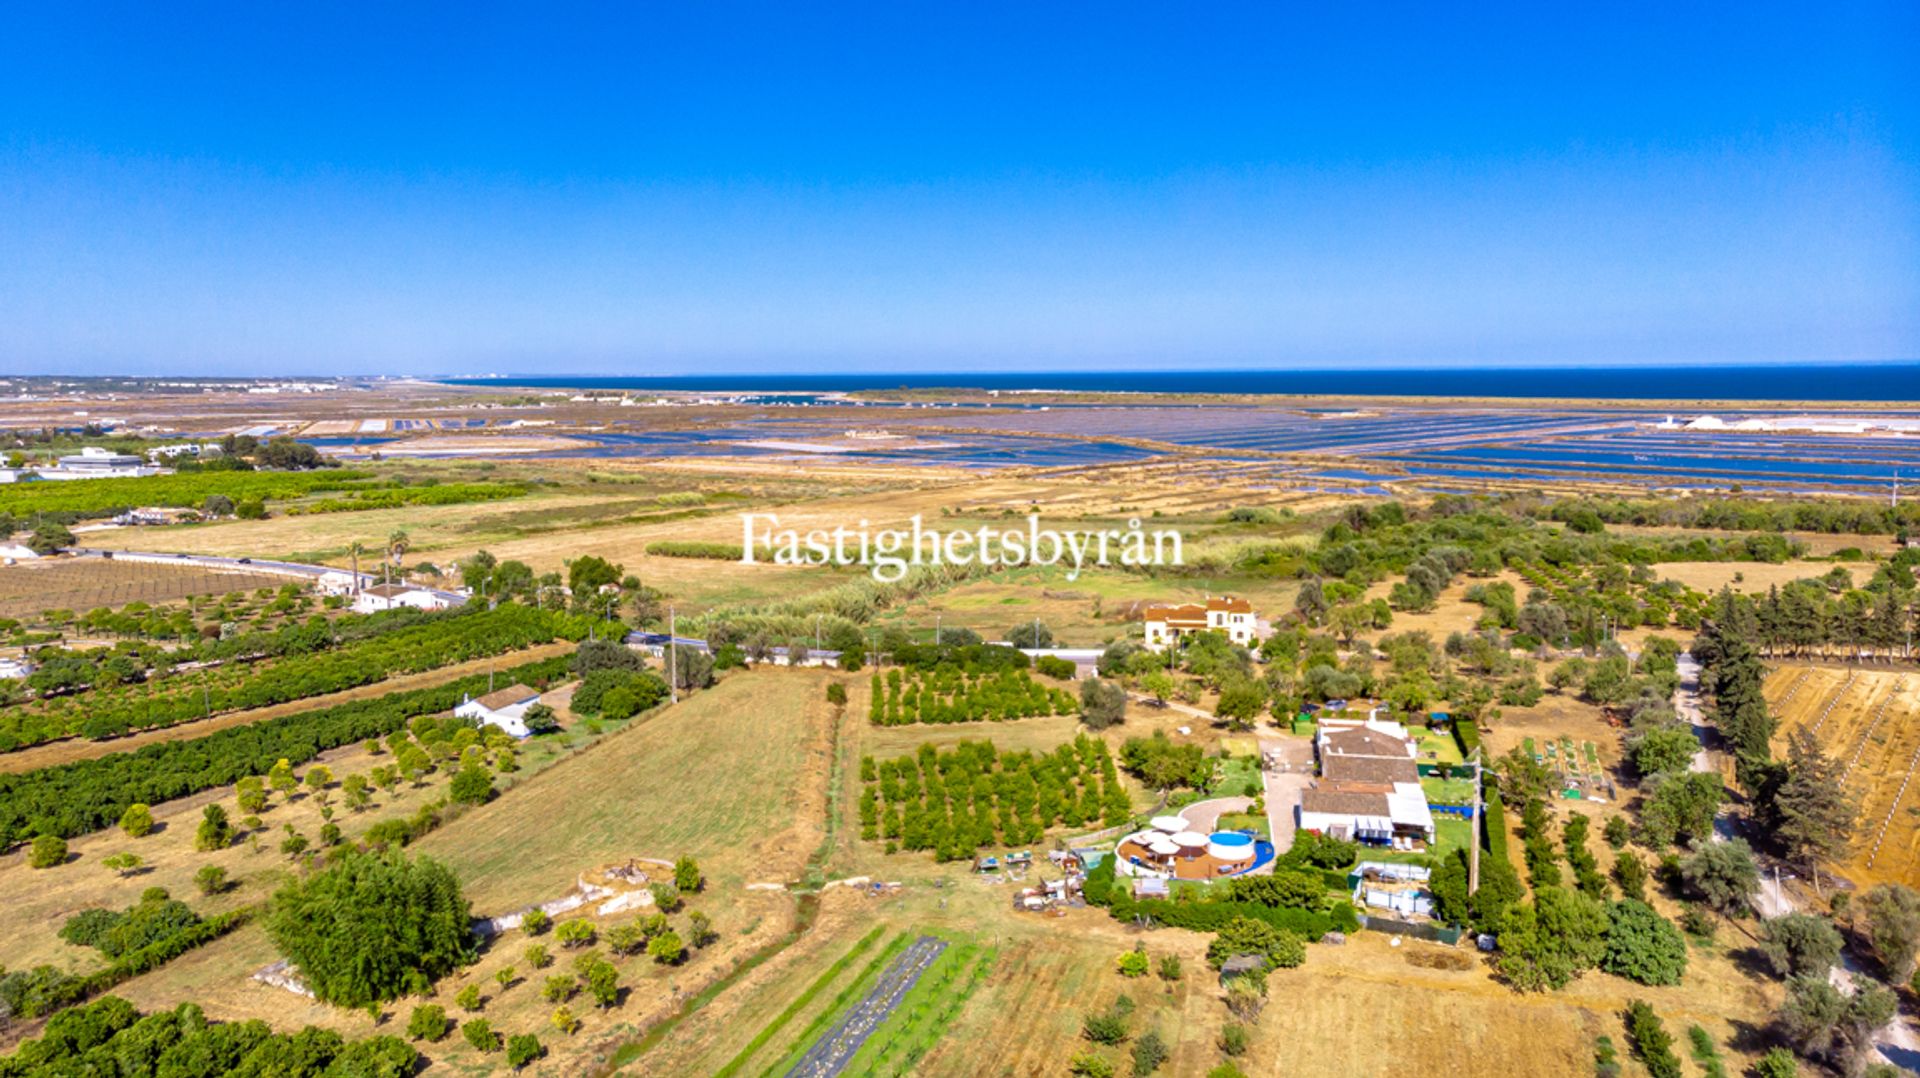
[48, 851]
[472, 785]
[1651, 1041]
[700, 929]
[1055, 667]
[523, 1049]
[666, 948]
[468, 998]
[1132, 964]
[1088, 1065]
[1148, 1053]
[1233, 1039]
[210, 879]
[1102, 703]
[479, 1033]
[137, 821]
[564, 1020]
[428, 1022]
[1106, 1028]
[1777, 1063]
[603, 983]
[559, 988]
[686, 875]
[535, 922]
[1643, 946]
[1244, 935]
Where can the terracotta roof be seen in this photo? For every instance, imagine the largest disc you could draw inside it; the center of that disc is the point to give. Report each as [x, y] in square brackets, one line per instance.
[388, 591]
[1368, 769]
[1347, 799]
[1196, 612]
[507, 697]
[1365, 741]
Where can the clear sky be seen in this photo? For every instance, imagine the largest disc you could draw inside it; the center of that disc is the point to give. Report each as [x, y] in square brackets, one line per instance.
[690, 187]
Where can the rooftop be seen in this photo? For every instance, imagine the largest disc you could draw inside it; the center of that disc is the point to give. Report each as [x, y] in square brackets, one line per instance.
[507, 697]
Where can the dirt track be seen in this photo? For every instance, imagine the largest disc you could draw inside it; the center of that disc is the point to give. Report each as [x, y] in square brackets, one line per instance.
[69, 750]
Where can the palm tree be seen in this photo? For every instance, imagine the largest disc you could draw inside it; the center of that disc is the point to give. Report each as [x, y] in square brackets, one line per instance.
[356, 548]
[396, 546]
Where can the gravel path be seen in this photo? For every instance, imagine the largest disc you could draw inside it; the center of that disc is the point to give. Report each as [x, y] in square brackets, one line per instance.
[836, 1047]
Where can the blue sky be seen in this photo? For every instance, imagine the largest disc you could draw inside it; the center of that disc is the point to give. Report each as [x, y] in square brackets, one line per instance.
[685, 188]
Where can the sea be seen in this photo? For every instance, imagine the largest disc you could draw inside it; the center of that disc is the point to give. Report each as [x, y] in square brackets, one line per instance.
[1875, 382]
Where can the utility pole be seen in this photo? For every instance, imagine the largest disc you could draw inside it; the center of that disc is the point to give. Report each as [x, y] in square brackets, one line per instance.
[1473, 845]
[936, 630]
[673, 655]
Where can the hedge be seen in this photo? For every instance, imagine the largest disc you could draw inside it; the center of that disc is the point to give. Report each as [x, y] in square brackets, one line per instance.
[1495, 822]
[692, 548]
[73, 799]
[1466, 733]
[59, 990]
[1103, 888]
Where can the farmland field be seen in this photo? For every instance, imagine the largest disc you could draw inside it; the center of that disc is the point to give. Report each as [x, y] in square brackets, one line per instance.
[1869, 720]
[715, 777]
[82, 584]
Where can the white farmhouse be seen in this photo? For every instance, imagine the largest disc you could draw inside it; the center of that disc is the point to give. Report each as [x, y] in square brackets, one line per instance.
[392, 596]
[505, 708]
[1369, 788]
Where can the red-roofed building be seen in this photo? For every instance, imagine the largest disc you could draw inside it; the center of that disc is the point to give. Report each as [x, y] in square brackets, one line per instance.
[1167, 623]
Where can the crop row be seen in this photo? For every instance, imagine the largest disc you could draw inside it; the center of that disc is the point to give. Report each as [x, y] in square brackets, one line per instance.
[76, 798]
[507, 627]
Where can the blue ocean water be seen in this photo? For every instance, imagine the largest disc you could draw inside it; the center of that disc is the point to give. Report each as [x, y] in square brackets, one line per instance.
[1770, 382]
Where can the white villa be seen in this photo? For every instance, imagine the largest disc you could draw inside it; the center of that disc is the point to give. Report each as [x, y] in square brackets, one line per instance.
[391, 596]
[505, 708]
[1167, 624]
[1369, 789]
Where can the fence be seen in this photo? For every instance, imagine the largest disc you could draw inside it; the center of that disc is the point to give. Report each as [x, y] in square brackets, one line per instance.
[1425, 930]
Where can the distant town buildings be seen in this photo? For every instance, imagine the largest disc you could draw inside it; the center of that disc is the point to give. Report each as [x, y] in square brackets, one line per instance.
[1167, 624]
[92, 462]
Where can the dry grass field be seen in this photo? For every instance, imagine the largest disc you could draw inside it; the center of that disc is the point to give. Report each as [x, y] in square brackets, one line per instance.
[83, 584]
[1870, 721]
[736, 776]
[717, 777]
[1751, 577]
